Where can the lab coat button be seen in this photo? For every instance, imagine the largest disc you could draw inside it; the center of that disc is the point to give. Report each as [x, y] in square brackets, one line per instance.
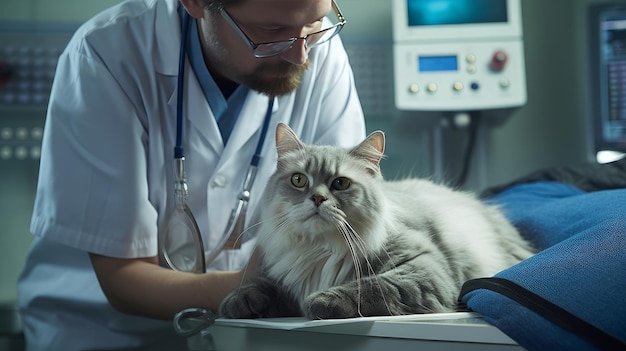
[219, 181]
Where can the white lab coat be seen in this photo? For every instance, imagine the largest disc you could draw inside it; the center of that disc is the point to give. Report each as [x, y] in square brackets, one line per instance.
[107, 173]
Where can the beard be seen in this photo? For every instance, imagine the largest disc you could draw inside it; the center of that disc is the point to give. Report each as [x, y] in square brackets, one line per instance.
[269, 78]
[275, 79]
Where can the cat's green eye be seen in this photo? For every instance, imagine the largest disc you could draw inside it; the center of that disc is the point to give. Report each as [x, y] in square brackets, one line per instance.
[299, 180]
[341, 183]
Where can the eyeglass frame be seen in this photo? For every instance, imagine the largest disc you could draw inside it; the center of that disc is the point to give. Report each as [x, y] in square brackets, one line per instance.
[254, 46]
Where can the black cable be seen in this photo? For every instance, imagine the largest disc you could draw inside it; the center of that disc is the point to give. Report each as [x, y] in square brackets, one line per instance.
[469, 149]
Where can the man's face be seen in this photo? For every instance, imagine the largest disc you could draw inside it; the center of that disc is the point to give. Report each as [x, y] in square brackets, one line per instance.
[230, 57]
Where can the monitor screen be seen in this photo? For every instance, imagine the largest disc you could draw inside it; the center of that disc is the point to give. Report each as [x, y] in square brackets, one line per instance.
[607, 29]
[444, 12]
[437, 63]
[456, 20]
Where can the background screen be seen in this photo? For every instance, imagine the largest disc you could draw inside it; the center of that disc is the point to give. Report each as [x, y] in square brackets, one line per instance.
[442, 12]
[607, 24]
[613, 62]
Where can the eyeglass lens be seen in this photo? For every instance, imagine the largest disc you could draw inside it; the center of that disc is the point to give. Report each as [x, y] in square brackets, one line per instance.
[312, 40]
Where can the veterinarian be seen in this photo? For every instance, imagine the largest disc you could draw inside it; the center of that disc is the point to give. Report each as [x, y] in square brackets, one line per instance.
[108, 169]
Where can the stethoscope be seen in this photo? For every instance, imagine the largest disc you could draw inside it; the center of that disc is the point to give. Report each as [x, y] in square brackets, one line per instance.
[181, 247]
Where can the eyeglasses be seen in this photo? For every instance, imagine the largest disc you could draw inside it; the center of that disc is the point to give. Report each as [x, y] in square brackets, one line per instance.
[273, 48]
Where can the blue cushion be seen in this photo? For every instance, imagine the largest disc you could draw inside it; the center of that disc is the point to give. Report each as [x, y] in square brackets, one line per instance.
[582, 265]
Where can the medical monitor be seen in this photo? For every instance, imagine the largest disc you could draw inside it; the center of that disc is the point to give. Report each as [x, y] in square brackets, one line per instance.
[458, 55]
[607, 47]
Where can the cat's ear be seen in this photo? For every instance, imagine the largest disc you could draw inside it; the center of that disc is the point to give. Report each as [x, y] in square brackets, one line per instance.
[372, 150]
[286, 141]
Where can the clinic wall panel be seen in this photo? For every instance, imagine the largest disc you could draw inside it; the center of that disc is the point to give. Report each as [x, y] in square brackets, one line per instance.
[60, 11]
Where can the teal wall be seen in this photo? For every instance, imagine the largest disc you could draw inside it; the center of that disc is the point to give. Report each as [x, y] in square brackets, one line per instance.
[18, 178]
[552, 128]
[59, 11]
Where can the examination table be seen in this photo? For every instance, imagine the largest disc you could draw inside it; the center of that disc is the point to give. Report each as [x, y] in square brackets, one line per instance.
[448, 331]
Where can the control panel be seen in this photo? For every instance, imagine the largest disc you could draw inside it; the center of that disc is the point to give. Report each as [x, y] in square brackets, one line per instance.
[26, 75]
[459, 77]
[27, 66]
[20, 141]
[452, 55]
[28, 62]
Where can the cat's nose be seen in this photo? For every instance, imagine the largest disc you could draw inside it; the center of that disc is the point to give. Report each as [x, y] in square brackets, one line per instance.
[318, 199]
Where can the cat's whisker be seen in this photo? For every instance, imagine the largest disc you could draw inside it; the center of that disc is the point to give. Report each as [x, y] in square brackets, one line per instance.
[362, 245]
[383, 248]
[345, 232]
[355, 240]
[245, 270]
[244, 232]
[280, 221]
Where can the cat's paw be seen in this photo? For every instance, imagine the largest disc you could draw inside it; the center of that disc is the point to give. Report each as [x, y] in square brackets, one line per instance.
[329, 304]
[249, 301]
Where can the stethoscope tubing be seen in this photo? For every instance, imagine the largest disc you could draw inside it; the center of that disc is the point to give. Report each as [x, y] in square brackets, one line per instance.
[236, 219]
[185, 25]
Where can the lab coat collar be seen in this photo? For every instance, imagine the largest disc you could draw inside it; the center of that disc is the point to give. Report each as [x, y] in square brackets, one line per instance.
[168, 37]
[197, 114]
[249, 124]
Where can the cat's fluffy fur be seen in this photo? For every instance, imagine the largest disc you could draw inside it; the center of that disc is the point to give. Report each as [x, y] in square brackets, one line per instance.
[339, 241]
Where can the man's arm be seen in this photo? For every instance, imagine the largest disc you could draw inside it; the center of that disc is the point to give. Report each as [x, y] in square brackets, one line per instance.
[141, 287]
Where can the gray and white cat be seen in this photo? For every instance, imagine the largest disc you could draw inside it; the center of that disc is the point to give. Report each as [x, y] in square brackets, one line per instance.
[338, 241]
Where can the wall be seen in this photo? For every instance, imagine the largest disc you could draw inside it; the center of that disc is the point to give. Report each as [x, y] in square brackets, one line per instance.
[552, 128]
[58, 11]
[18, 177]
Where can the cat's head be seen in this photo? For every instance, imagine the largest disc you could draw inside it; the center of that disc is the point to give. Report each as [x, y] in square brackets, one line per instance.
[319, 194]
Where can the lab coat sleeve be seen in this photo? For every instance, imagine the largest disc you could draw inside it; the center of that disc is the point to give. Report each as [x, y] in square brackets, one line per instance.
[92, 192]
